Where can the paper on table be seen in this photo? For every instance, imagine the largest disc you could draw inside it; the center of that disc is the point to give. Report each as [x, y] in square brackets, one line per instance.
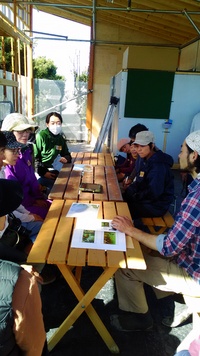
[83, 167]
[57, 165]
[83, 209]
[97, 234]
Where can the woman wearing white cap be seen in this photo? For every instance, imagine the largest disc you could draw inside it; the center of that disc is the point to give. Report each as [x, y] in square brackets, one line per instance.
[34, 200]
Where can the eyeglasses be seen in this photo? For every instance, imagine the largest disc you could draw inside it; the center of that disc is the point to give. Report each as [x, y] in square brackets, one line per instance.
[15, 151]
[28, 131]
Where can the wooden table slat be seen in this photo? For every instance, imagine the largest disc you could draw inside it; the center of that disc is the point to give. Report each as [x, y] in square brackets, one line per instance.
[116, 259]
[53, 245]
[99, 178]
[114, 192]
[41, 247]
[96, 258]
[58, 189]
[73, 185]
[134, 257]
[122, 209]
[86, 158]
[61, 244]
[108, 159]
[109, 209]
[77, 257]
[68, 181]
[87, 178]
[101, 160]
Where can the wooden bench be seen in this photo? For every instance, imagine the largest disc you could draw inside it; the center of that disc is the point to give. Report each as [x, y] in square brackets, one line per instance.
[158, 225]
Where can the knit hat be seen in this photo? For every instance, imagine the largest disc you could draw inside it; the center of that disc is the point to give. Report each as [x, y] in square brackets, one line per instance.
[12, 143]
[11, 195]
[17, 122]
[193, 141]
[122, 142]
[143, 138]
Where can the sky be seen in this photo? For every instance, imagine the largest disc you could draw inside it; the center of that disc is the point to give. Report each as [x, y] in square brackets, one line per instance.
[66, 55]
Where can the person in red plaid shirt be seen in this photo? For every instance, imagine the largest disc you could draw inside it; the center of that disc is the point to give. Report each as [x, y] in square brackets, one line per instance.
[175, 266]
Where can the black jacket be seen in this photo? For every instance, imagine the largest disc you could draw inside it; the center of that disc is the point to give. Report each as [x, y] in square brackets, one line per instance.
[154, 181]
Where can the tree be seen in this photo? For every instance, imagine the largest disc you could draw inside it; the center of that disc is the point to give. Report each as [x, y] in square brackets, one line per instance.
[44, 68]
[83, 77]
[6, 55]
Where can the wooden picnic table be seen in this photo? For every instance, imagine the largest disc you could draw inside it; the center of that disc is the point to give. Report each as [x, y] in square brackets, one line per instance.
[69, 179]
[53, 246]
[101, 159]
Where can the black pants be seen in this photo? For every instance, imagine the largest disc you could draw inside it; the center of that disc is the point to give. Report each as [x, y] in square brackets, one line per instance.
[12, 254]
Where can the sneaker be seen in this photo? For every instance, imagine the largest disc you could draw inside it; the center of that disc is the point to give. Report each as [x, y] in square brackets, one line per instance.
[182, 313]
[132, 322]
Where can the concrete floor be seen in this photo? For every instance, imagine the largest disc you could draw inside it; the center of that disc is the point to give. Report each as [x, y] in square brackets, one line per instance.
[82, 339]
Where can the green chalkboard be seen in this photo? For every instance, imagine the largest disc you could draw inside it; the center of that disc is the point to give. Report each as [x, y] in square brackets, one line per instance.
[148, 93]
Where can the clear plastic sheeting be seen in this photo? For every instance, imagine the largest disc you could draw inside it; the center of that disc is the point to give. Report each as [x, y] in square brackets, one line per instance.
[52, 95]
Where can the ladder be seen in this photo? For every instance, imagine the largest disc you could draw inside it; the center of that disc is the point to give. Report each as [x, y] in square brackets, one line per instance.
[106, 123]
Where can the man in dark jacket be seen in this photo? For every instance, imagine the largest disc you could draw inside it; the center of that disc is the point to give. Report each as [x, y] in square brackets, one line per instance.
[152, 190]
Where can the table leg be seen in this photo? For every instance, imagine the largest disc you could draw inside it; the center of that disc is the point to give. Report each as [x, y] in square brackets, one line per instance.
[84, 305]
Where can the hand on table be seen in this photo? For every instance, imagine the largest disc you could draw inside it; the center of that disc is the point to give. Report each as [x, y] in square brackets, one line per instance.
[122, 224]
[63, 160]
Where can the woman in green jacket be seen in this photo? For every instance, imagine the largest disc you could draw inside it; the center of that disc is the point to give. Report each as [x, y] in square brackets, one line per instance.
[50, 150]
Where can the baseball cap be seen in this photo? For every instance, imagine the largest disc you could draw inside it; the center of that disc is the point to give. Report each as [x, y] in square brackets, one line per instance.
[122, 142]
[17, 122]
[11, 195]
[193, 141]
[11, 140]
[143, 138]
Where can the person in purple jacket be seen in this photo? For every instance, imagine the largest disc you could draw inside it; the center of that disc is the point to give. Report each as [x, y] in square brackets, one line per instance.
[34, 200]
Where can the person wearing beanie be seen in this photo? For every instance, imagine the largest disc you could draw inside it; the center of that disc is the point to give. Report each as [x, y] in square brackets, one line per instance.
[23, 171]
[124, 169]
[152, 191]
[32, 222]
[175, 266]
